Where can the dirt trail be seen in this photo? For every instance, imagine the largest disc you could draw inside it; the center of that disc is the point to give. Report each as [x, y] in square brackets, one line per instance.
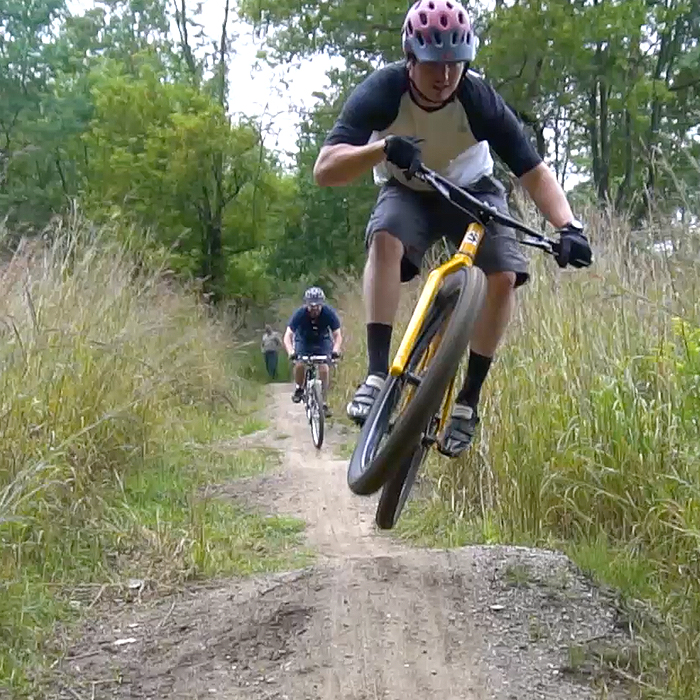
[312, 486]
[370, 620]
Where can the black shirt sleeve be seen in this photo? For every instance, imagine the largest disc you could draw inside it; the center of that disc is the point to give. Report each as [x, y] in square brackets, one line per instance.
[493, 121]
[372, 106]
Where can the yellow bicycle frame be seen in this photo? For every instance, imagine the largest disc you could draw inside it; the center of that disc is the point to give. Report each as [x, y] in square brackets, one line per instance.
[464, 257]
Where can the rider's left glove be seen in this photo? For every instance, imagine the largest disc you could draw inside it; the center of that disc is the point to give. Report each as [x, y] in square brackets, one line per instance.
[573, 248]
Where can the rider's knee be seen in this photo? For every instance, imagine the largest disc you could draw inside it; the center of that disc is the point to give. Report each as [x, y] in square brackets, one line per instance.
[501, 284]
[385, 247]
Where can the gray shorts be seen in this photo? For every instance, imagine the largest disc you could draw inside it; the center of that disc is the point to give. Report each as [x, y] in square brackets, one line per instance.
[419, 219]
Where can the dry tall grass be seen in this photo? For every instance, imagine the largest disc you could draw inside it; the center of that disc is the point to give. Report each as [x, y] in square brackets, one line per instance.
[114, 384]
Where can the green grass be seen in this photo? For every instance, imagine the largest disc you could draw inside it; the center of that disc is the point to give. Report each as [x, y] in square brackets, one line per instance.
[121, 405]
[589, 439]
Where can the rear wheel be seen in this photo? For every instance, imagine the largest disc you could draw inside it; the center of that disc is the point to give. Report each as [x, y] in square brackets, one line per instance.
[315, 414]
[404, 408]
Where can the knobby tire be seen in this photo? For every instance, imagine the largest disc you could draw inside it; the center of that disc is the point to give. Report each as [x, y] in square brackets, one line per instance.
[454, 311]
[395, 492]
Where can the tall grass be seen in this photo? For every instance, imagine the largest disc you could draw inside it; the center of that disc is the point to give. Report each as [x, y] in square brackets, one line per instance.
[590, 437]
[114, 387]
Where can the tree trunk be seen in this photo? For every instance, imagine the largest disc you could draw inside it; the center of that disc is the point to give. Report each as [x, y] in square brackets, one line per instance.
[625, 188]
[604, 137]
[593, 131]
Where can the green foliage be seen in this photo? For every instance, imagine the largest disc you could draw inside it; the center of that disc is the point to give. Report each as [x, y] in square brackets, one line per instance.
[324, 232]
[604, 78]
[102, 108]
[357, 31]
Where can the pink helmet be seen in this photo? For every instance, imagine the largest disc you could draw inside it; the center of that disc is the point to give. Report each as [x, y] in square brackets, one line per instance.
[439, 31]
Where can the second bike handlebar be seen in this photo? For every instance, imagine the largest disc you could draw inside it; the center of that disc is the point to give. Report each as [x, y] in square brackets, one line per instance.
[314, 359]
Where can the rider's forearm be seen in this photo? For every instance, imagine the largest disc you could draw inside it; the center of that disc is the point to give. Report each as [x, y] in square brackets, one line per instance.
[541, 184]
[288, 341]
[337, 341]
[341, 163]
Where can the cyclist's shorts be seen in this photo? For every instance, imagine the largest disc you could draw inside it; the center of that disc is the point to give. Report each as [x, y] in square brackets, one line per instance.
[419, 219]
[303, 347]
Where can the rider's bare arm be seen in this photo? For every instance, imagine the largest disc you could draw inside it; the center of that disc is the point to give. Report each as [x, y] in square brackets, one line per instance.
[289, 341]
[337, 340]
[341, 163]
[542, 185]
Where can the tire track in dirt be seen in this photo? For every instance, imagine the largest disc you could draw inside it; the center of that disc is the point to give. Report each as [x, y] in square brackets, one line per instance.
[370, 620]
[312, 485]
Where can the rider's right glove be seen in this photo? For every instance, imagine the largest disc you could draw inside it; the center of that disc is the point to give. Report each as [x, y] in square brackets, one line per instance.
[403, 152]
[573, 248]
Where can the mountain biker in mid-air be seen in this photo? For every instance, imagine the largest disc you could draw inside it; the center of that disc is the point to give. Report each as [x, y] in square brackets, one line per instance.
[431, 107]
[314, 329]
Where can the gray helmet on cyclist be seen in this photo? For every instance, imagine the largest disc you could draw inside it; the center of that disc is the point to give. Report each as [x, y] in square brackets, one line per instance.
[314, 295]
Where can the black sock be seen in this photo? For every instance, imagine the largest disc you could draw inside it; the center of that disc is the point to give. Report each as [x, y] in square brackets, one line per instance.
[378, 344]
[477, 370]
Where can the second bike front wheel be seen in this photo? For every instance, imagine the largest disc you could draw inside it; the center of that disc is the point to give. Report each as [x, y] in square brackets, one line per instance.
[387, 441]
[316, 415]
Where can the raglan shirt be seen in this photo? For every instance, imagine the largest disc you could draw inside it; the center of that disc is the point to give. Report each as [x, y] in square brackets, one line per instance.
[456, 137]
[314, 331]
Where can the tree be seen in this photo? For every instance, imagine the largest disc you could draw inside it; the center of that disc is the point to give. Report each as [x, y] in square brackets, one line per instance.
[161, 153]
[27, 157]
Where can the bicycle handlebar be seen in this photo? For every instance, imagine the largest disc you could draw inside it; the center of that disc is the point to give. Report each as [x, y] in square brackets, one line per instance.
[314, 359]
[482, 211]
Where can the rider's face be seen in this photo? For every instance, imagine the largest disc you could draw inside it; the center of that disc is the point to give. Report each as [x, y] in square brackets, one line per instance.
[437, 81]
[313, 309]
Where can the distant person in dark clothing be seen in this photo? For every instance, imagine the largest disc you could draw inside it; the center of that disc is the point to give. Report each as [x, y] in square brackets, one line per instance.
[271, 345]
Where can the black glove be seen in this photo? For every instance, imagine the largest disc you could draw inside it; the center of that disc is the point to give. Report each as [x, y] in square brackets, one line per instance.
[572, 248]
[403, 152]
[292, 356]
[335, 355]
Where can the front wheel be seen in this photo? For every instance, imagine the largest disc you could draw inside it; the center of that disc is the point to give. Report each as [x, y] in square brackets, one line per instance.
[396, 490]
[405, 406]
[315, 414]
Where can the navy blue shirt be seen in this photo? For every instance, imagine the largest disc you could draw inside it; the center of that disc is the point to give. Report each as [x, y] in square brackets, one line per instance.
[314, 331]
